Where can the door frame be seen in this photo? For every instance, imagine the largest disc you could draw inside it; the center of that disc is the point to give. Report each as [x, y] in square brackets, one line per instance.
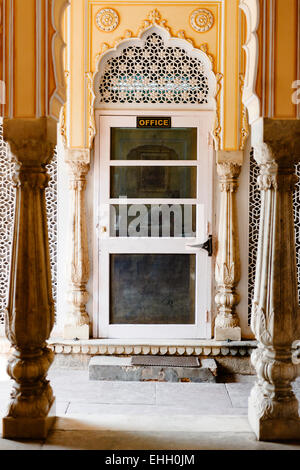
[208, 116]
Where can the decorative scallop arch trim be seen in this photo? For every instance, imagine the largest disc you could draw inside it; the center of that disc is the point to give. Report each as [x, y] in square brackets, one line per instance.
[58, 97]
[155, 68]
[251, 48]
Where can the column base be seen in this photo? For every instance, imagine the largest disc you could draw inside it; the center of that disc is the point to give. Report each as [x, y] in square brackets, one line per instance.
[79, 332]
[222, 334]
[279, 429]
[28, 428]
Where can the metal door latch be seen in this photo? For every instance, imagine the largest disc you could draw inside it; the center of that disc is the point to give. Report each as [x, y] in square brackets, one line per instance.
[207, 246]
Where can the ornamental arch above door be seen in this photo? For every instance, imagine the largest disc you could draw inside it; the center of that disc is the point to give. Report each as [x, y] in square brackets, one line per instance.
[155, 69]
[153, 284]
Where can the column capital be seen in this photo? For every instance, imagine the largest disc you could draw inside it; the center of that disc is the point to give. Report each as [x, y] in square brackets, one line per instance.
[230, 156]
[276, 142]
[78, 155]
[32, 141]
[228, 173]
[227, 169]
[78, 169]
[276, 149]
[270, 178]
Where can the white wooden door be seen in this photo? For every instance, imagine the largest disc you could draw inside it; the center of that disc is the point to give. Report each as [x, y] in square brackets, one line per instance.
[150, 282]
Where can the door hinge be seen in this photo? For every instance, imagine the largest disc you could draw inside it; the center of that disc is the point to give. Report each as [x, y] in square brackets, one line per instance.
[207, 316]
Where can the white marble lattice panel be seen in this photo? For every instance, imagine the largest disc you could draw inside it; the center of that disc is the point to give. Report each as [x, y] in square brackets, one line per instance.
[154, 74]
[254, 213]
[297, 224]
[7, 205]
[51, 204]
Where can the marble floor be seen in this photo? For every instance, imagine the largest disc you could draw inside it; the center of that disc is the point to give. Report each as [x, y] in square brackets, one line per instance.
[146, 415]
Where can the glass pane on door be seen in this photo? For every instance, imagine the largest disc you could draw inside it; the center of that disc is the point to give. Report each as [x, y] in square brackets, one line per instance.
[152, 220]
[152, 288]
[153, 144]
[176, 182]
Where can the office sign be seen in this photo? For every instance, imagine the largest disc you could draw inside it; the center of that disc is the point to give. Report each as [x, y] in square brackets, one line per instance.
[148, 122]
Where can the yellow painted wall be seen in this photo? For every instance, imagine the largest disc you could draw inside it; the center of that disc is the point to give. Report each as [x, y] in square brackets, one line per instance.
[51, 32]
[285, 58]
[277, 61]
[27, 57]
[31, 82]
[77, 74]
[24, 92]
[88, 41]
[30, 75]
[279, 57]
[133, 13]
[231, 76]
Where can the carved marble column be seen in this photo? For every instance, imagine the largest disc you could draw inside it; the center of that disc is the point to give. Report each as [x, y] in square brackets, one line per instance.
[30, 310]
[273, 407]
[227, 271]
[77, 322]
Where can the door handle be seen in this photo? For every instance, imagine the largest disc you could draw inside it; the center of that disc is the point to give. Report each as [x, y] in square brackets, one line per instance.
[207, 245]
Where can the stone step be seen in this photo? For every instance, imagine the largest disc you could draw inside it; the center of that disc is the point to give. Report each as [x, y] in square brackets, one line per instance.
[122, 369]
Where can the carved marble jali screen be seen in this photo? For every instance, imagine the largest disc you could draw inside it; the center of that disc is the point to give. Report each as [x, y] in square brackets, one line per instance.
[154, 73]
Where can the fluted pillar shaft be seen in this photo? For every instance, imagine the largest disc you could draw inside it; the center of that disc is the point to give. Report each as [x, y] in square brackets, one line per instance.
[227, 271]
[273, 407]
[77, 322]
[30, 310]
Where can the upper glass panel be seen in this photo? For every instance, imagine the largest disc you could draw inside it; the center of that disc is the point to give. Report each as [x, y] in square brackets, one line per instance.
[153, 144]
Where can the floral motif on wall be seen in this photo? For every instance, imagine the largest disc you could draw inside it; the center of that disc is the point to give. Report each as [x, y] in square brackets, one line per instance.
[107, 19]
[202, 20]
